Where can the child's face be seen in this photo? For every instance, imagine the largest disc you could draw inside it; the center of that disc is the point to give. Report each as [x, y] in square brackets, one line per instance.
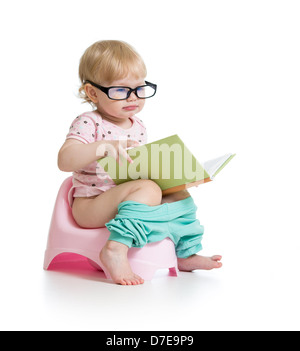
[117, 110]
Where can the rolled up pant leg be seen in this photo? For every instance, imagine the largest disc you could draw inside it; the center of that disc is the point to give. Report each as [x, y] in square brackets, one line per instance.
[186, 232]
[137, 224]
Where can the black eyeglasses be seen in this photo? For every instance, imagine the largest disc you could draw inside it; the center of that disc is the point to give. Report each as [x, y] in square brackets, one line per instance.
[122, 93]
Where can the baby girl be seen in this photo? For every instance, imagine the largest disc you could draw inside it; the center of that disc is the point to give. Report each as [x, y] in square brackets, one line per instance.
[113, 81]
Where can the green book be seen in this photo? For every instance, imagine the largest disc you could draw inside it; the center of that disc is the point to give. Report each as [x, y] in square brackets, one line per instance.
[167, 162]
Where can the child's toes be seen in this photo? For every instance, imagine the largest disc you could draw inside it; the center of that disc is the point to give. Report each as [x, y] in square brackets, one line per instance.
[219, 264]
[217, 258]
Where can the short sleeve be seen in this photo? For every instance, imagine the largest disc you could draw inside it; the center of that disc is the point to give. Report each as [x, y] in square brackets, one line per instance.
[83, 129]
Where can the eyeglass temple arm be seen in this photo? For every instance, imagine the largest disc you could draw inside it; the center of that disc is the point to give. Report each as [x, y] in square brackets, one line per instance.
[105, 90]
[151, 84]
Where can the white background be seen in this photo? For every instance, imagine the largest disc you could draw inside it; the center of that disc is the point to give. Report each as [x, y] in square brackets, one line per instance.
[228, 75]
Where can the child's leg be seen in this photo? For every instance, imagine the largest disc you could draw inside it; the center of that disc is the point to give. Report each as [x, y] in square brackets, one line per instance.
[96, 212]
[174, 197]
[136, 225]
[187, 233]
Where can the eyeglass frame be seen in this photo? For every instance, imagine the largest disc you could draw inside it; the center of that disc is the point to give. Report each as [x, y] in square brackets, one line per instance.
[106, 89]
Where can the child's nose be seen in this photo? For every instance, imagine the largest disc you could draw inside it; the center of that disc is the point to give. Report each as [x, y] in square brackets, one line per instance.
[132, 97]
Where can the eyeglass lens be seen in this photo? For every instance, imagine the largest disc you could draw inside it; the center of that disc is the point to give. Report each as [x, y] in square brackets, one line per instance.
[142, 92]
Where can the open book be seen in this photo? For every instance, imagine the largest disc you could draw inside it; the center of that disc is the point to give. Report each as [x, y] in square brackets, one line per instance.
[167, 162]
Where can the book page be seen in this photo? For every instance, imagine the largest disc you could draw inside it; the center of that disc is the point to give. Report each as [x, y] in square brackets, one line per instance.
[213, 166]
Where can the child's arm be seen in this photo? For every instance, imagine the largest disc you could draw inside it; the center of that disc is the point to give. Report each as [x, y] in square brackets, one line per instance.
[75, 155]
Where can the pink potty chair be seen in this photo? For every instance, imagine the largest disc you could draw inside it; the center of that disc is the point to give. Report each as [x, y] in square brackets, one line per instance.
[65, 236]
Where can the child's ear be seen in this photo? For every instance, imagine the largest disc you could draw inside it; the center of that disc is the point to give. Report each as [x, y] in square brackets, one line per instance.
[91, 92]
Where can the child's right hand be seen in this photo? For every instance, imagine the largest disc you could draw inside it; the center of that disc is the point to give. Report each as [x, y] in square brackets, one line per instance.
[115, 149]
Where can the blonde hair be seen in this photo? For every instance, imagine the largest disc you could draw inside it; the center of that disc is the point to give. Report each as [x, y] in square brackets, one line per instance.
[109, 60]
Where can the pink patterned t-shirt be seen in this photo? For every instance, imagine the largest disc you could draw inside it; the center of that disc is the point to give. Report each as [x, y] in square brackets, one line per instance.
[89, 127]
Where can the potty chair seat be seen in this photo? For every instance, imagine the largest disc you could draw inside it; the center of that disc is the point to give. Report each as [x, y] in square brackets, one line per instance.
[65, 236]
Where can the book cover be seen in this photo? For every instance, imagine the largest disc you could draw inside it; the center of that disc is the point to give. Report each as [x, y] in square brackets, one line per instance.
[168, 162]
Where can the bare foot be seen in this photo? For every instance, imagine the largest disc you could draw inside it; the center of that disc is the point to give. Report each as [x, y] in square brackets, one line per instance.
[114, 258]
[199, 262]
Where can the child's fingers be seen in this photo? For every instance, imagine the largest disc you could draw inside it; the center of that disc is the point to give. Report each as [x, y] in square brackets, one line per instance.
[131, 143]
[129, 159]
[123, 153]
[119, 161]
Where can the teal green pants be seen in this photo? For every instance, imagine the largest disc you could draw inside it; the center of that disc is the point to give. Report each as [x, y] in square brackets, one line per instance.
[137, 224]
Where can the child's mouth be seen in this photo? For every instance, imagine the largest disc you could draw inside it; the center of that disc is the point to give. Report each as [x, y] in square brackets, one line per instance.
[130, 108]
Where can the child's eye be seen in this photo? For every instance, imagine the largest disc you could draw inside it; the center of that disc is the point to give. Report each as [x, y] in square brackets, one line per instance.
[118, 93]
